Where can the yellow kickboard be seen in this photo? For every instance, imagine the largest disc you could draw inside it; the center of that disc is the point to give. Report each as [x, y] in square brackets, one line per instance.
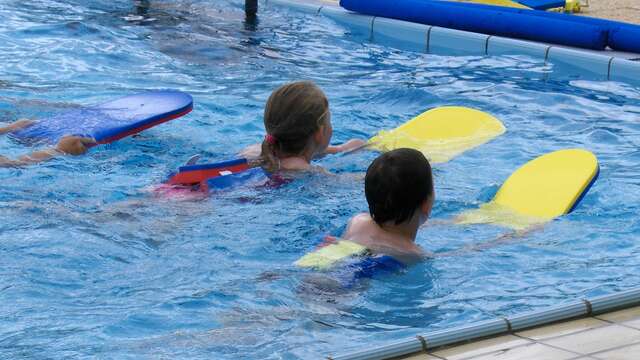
[441, 133]
[326, 256]
[506, 3]
[540, 190]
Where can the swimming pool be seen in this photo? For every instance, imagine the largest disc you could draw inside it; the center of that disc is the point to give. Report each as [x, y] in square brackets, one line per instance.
[93, 265]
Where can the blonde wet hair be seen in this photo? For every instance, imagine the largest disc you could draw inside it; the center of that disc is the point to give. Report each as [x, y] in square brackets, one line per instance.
[294, 112]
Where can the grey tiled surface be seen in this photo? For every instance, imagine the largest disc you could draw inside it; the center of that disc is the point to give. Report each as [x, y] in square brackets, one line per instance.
[612, 336]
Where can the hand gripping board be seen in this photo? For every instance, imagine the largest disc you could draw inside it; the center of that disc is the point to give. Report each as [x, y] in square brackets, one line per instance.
[112, 120]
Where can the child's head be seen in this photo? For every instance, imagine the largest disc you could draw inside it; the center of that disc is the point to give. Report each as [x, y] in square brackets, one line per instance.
[399, 183]
[297, 122]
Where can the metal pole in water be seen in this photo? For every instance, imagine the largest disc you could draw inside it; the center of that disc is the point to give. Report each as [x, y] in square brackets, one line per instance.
[250, 8]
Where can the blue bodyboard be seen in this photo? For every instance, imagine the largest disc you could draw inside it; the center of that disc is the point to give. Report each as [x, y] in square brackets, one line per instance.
[110, 121]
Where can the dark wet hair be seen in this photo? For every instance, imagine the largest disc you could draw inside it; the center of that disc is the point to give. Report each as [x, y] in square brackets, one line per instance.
[294, 112]
[396, 184]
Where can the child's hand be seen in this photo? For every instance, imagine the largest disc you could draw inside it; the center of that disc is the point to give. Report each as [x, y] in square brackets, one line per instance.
[353, 144]
[251, 151]
[350, 145]
[20, 124]
[330, 239]
[5, 161]
[74, 145]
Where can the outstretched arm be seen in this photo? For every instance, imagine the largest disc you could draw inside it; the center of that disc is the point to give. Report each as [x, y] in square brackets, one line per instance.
[253, 151]
[72, 145]
[506, 238]
[22, 123]
[351, 145]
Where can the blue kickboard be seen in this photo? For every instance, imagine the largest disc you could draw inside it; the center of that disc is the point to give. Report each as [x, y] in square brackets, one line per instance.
[112, 120]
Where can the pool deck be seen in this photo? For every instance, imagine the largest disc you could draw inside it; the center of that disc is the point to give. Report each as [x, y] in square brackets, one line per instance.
[620, 10]
[611, 336]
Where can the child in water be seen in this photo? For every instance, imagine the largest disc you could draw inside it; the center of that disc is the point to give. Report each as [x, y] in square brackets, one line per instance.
[399, 190]
[297, 121]
[400, 193]
[296, 118]
[72, 145]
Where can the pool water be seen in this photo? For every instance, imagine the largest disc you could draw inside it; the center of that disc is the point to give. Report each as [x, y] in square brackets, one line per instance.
[93, 265]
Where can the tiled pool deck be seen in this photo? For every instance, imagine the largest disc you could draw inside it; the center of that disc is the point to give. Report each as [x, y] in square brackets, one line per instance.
[611, 336]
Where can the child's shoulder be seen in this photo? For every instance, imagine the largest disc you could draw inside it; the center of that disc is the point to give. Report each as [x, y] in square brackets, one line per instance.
[361, 218]
[359, 222]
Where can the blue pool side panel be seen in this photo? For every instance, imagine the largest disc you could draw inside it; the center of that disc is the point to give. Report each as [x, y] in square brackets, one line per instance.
[489, 20]
[621, 36]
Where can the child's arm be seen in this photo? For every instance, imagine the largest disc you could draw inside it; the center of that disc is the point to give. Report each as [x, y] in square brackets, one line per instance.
[72, 145]
[22, 123]
[351, 145]
[251, 152]
[500, 240]
[439, 222]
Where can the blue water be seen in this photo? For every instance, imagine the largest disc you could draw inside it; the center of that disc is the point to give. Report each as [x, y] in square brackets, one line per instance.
[93, 265]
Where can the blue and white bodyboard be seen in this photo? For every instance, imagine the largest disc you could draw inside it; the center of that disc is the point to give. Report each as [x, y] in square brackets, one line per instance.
[110, 121]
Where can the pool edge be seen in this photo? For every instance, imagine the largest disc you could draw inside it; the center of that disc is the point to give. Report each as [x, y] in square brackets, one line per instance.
[434, 341]
[597, 65]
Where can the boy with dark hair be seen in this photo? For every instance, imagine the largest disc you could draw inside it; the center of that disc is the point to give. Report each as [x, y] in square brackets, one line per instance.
[399, 189]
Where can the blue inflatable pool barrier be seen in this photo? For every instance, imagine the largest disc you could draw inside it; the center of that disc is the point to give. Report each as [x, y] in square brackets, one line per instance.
[621, 36]
[112, 120]
[486, 19]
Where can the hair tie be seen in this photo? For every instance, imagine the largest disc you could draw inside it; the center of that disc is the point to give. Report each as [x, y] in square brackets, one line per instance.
[271, 140]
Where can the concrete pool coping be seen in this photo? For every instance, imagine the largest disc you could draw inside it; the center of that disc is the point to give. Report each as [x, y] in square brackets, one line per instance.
[595, 328]
[614, 336]
[588, 64]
